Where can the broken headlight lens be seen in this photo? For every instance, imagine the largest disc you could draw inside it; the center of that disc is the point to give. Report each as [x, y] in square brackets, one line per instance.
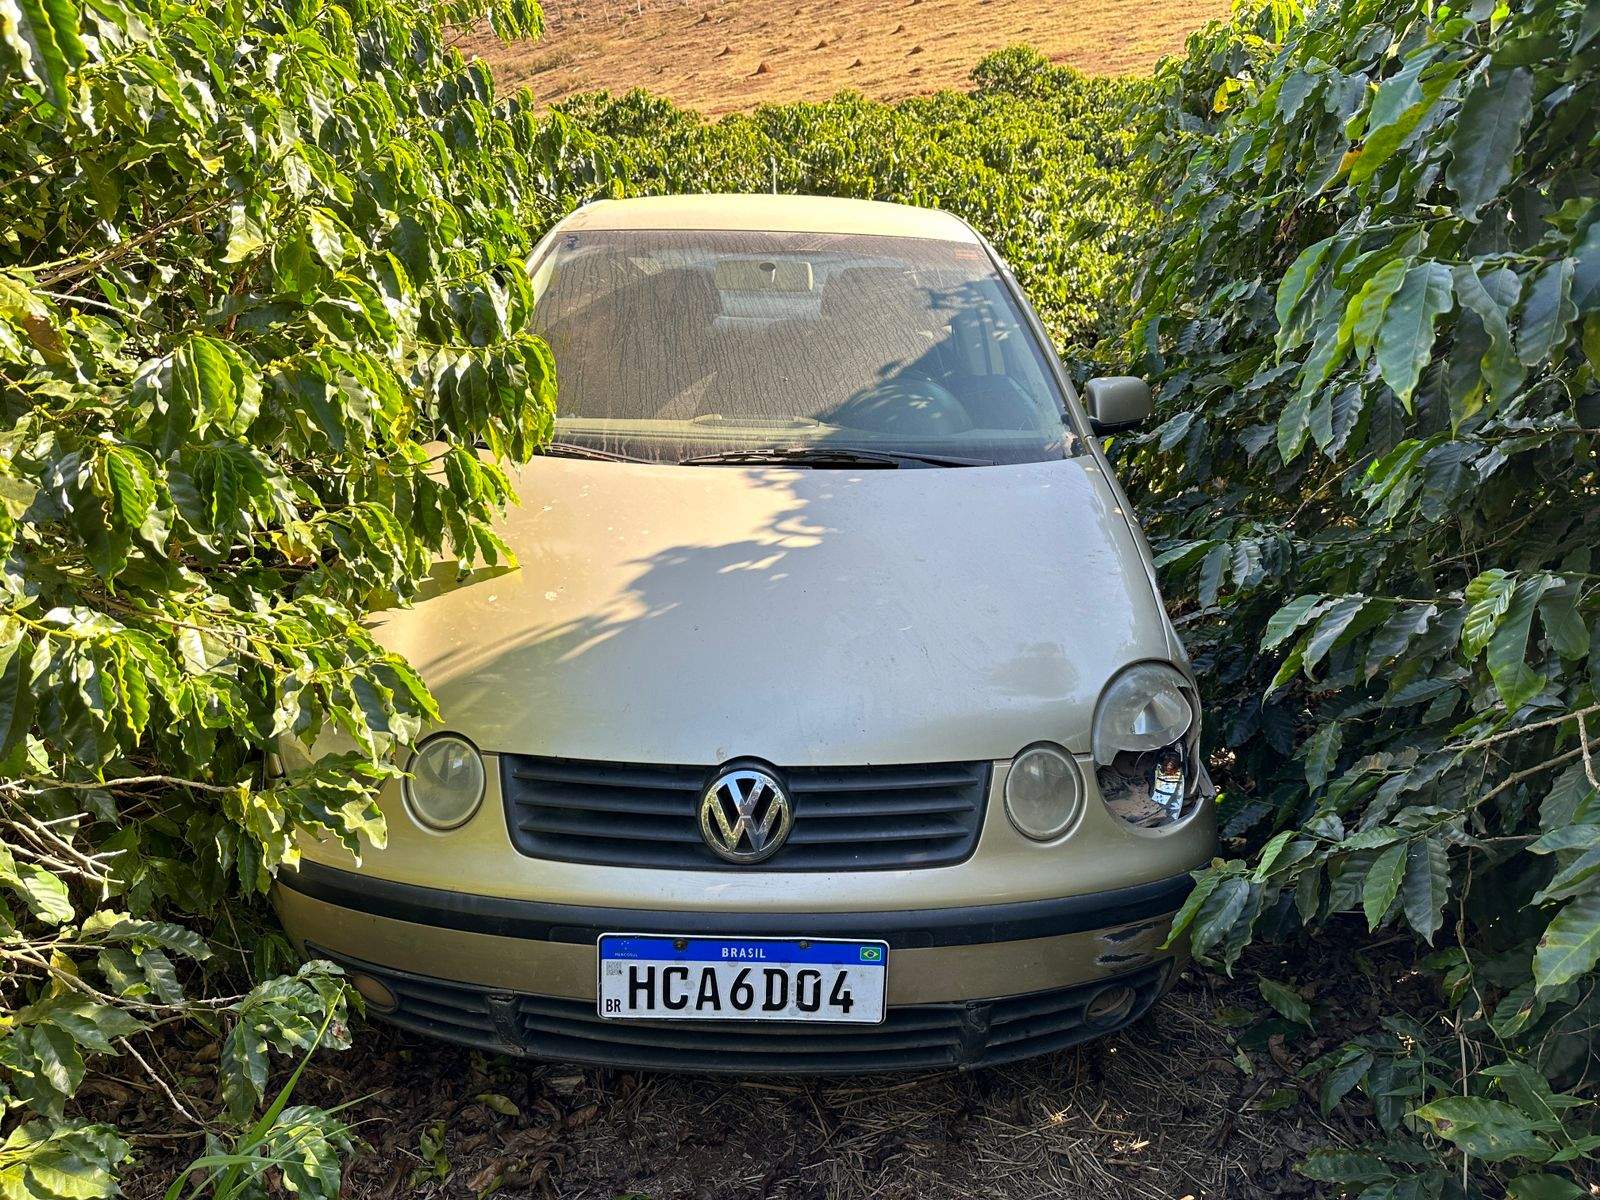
[1145, 743]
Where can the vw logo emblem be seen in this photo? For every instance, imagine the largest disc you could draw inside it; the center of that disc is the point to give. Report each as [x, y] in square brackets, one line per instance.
[745, 815]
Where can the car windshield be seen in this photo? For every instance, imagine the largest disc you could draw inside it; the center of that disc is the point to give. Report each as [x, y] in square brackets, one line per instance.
[814, 349]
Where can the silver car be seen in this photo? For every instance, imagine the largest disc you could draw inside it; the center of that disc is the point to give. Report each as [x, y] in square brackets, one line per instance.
[831, 720]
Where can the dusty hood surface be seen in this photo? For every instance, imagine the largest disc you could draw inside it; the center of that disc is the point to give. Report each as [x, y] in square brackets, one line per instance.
[692, 615]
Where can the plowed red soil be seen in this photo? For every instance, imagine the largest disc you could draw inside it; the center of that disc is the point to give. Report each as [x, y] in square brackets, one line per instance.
[722, 56]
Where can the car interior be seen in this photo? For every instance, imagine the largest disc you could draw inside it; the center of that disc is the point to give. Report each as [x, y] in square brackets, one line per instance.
[885, 348]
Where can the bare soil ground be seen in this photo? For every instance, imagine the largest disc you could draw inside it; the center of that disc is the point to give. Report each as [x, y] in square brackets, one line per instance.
[723, 56]
[1198, 1100]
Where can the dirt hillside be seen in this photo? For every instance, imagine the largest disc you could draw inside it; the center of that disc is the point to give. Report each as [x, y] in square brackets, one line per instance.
[724, 56]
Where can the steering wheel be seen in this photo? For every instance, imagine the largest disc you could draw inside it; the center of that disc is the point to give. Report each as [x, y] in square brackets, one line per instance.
[906, 404]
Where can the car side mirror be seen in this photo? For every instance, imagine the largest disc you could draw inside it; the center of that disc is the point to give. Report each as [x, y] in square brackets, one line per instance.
[1118, 402]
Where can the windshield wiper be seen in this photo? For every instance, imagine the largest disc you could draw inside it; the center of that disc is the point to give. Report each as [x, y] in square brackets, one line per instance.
[827, 456]
[574, 450]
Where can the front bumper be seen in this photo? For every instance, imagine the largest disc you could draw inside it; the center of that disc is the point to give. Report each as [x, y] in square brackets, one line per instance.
[968, 985]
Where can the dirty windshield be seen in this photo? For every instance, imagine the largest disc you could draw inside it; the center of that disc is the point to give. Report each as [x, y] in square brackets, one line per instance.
[675, 345]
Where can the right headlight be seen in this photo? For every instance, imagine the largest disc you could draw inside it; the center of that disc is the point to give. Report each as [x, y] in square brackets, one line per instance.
[1145, 742]
[1044, 793]
[446, 782]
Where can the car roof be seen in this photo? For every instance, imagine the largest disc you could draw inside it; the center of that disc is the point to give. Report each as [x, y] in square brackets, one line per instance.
[771, 214]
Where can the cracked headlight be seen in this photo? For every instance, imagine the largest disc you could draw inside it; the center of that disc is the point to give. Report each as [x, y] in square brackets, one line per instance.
[1146, 738]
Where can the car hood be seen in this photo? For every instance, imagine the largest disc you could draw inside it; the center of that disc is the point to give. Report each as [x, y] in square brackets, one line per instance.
[693, 615]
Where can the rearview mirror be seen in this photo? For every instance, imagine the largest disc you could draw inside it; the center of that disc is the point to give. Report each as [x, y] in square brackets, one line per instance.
[1118, 402]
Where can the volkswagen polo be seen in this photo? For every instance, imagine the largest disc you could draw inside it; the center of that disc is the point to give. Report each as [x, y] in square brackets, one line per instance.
[831, 720]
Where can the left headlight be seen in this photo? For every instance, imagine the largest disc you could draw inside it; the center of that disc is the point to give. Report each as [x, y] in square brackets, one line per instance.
[1145, 742]
[1144, 708]
[446, 783]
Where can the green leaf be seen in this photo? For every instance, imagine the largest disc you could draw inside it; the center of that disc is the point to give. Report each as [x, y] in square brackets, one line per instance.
[1286, 1000]
[1382, 884]
[1517, 1009]
[130, 473]
[1336, 623]
[1296, 280]
[1345, 1166]
[1289, 618]
[1218, 914]
[1547, 311]
[1405, 336]
[327, 239]
[1567, 837]
[1349, 1071]
[1269, 854]
[1576, 877]
[1487, 598]
[1570, 801]
[1488, 1129]
[1545, 1187]
[1403, 100]
[1491, 297]
[1322, 753]
[1570, 945]
[1294, 424]
[1558, 612]
[1404, 625]
[107, 925]
[1585, 294]
[44, 36]
[1211, 573]
[1516, 682]
[1205, 883]
[43, 893]
[1488, 135]
[90, 1024]
[244, 235]
[501, 1104]
[1426, 886]
[1372, 302]
[16, 697]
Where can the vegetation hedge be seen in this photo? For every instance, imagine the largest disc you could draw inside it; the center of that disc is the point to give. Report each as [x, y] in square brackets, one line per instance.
[261, 295]
[1374, 317]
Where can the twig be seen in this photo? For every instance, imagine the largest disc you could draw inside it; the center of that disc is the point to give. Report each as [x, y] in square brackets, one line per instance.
[1512, 780]
[121, 781]
[161, 1083]
[1588, 755]
[89, 265]
[1507, 734]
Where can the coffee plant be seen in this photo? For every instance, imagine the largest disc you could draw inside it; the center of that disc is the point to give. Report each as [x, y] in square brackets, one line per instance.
[262, 300]
[1373, 310]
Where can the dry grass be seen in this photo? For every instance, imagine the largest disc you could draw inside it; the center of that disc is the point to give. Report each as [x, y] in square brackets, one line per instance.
[1162, 1110]
[722, 56]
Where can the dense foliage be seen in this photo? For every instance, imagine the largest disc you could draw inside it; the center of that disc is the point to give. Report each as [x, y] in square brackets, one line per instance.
[1375, 320]
[261, 295]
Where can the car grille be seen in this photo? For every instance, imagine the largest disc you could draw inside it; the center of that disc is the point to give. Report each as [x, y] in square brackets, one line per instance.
[911, 1037]
[845, 818]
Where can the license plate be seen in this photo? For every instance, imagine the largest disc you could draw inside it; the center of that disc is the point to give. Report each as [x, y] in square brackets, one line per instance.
[665, 978]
